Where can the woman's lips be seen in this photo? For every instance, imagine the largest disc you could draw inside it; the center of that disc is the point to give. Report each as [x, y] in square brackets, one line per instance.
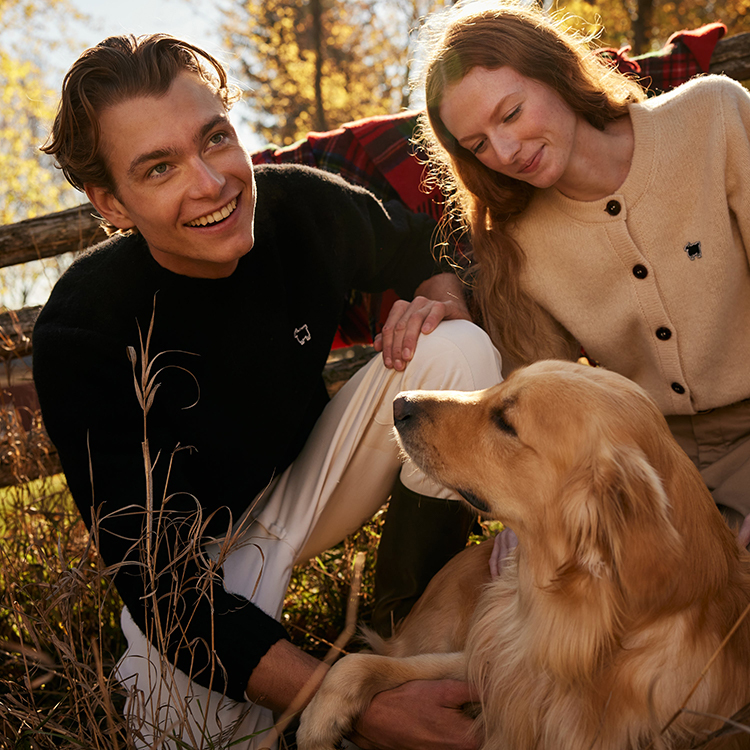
[532, 164]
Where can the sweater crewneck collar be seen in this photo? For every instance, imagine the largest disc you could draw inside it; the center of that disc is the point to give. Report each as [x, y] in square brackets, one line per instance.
[632, 190]
[137, 244]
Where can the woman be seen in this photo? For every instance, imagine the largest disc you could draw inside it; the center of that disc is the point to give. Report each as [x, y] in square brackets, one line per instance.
[603, 220]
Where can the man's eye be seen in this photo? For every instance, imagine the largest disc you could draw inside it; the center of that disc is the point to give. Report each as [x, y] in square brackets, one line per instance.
[216, 139]
[159, 169]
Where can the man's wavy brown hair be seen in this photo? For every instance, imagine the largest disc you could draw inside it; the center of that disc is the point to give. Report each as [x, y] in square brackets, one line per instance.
[117, 69]
[487, 202]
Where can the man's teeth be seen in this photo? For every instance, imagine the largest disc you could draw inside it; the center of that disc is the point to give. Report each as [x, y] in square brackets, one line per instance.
[222, 213]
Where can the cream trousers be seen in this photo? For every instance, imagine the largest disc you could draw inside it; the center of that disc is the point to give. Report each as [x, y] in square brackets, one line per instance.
[341, 478]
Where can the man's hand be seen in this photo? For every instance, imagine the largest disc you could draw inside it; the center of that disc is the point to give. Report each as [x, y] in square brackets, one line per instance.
[419, 715]
[438, 298]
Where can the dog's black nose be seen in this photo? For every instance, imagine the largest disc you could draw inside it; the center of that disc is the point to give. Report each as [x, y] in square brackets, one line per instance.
[403, 409]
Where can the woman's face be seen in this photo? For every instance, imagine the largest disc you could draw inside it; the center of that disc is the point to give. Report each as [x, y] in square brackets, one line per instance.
[514, 125]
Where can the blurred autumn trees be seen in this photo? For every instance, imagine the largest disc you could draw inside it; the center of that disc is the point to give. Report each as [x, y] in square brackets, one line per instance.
[29, 186]
[307, 65]
[647, 24]
[316, 64]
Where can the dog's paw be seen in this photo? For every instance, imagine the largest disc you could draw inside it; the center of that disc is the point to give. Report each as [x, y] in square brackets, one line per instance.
[339, 702]
[322, 725]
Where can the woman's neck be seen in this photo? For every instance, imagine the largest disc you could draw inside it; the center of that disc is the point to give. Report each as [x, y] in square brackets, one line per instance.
[600, 161]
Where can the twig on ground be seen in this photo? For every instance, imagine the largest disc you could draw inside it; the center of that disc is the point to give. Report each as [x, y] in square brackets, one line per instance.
[302, 698]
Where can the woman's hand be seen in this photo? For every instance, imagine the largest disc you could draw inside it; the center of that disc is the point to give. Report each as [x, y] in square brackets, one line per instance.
[743, 536]
[438, 298]
[505, 542]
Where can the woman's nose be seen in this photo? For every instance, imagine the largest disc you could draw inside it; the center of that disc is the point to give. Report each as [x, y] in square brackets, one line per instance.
[507, 149]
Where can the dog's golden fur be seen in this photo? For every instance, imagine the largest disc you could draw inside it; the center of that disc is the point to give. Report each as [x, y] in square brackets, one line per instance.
[624, 584]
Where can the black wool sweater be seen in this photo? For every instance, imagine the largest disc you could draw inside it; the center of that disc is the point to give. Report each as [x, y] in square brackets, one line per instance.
[238, 363]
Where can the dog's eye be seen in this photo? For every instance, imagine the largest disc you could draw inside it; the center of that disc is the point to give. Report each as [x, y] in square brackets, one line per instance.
[498, 417]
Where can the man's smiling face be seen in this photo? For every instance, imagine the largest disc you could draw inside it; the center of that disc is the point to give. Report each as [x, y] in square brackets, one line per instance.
[181, 177]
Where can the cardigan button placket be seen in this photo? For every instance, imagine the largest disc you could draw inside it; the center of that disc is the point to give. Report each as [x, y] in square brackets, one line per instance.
[640, 271]
[663, 333]
[613, 208]
[677, 388]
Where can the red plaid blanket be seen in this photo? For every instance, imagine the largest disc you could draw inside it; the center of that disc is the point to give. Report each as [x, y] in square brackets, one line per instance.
[686, 54]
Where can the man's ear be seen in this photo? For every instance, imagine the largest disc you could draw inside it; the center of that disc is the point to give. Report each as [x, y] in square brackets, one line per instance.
[109, 208]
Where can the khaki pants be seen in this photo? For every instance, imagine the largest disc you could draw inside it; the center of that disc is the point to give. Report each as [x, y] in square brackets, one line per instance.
[718, 443]
[340, 479]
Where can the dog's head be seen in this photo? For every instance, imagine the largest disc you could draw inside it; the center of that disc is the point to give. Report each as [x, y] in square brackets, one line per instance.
[578, 461]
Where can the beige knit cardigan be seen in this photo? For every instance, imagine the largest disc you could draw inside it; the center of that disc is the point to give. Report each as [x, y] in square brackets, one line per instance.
[654, 279]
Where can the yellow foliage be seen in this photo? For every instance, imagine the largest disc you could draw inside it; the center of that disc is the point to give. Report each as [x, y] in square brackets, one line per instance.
[365, 48]
[27, 184]
[614, 18]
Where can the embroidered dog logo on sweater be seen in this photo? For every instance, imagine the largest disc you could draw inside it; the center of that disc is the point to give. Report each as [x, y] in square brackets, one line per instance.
[302, 335]
[693, 249]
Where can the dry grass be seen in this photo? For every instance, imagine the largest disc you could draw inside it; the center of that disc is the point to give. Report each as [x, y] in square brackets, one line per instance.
[315, 608]
[58, 626]
[59, 621]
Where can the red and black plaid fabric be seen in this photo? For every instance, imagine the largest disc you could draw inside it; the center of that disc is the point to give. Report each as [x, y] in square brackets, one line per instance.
[686, 54]
[378, 152]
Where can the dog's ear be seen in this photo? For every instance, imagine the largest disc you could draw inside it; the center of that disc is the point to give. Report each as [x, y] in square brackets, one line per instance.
[617, 518]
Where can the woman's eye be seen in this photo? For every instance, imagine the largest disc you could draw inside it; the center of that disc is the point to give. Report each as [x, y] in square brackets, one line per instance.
[478, 147]
[513, 114]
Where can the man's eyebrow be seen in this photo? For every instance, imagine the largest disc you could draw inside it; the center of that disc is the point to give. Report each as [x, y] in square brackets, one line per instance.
[155, 155]
[221, 119]
[163, 153]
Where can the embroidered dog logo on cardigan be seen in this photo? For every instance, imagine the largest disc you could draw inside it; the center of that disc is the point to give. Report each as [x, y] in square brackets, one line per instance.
[693, 249]
[302, 335]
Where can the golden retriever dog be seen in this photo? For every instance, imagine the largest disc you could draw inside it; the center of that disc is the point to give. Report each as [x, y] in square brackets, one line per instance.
[619, 622]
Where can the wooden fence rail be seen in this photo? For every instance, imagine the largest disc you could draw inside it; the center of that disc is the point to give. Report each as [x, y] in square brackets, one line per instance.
[732, 57]
[49, 235]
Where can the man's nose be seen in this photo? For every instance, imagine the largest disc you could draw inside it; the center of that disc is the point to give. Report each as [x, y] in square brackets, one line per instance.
[205, 179]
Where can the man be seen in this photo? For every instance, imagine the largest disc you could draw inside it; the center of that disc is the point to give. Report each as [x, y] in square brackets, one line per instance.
[179, 367]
